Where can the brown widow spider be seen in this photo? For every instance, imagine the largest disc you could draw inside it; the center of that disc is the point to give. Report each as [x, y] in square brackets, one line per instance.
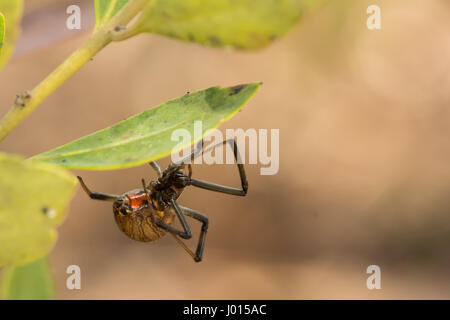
[147, 214]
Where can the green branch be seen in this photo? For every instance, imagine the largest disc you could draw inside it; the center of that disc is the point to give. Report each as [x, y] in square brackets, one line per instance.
[101, 37]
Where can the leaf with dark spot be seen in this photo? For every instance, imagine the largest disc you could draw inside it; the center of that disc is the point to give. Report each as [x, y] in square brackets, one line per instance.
[147, 136]
[242, 24]
[236, 89]
[27, 190]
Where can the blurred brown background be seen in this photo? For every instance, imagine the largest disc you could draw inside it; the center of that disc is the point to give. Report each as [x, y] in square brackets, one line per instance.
[364, 176]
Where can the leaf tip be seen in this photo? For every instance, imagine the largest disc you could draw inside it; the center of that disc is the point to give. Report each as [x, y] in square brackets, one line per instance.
[238, 88]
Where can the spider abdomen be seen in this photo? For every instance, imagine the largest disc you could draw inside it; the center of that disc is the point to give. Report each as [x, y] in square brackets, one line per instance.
[139, 223]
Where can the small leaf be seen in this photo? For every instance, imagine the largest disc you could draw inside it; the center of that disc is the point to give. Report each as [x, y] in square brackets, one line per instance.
[106, 9]
[33, 281]
[147, 136]
[33, 199]
[2, 30]
[243, 24]
[12, 12]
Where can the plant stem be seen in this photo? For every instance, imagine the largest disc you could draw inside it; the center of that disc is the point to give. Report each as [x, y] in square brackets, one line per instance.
[126, 34]
[101, 37]
[18, 112]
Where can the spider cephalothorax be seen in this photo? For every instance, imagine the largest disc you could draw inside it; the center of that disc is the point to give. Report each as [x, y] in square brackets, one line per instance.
[169, 185]
[147, 214]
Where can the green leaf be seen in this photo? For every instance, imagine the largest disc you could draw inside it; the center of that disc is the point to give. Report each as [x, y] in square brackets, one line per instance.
[33, 281]
[12, 12]
[106, 9]
[33, 199]
[243, 24]
[2, 30]
[147, 136]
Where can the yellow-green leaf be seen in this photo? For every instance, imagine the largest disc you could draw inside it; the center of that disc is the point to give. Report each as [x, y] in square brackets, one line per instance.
[12, 12]
[2, 30]
[147, 136]
[32, 281]
[33, 199]
[242, 24]
[106, 9]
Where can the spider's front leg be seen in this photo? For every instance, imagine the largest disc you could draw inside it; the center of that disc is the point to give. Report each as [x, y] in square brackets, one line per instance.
[97, 195]
[224, 189]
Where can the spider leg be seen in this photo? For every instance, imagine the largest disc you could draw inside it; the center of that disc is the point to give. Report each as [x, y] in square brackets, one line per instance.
[197, 150]
[224, 189]
[186, 233]
[147, 194]
[156, 167]
[197, 256]
[202, 238]
[183, 245]
[97, 195]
